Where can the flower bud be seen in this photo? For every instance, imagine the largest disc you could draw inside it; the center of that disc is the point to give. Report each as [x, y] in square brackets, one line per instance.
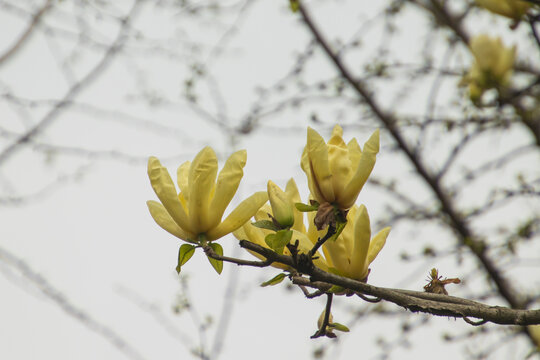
[282, 209]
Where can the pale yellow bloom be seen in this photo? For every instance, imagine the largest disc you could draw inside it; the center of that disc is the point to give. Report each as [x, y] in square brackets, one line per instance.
[492, 67]
[196, 211]
[354, 249]
[257, 235]
[337, 171]
[514, 9]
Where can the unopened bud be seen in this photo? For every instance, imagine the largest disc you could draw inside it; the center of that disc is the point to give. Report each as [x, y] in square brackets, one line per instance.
[282, 208]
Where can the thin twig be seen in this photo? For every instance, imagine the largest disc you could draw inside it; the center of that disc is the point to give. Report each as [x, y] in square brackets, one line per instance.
[322, 329]
[26, 34]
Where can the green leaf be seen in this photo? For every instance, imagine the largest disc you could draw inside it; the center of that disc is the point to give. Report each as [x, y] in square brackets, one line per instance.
[216, 264]
[275, 280]
[265, 224]
[184, 254]
[336, 289]
[306, 208]
[278, 240]
[339, 228]
[338, 327]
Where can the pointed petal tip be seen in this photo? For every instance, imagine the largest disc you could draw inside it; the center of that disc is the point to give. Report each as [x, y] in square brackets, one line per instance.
[337, 131]
[372, 144]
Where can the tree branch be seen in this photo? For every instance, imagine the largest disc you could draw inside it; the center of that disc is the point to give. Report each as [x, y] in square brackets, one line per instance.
[415, 301]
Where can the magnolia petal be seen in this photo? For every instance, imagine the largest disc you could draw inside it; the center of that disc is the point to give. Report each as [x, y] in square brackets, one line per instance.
[182, 179]
[166, 192]
[320, 168]
[238, 217]
[201, 179]
[377, 244]
[227, 185]
[312, 232]
[291, 190]
[262, 213]
[365, 166]
[340, 163]
[348, 232]
[362, 236]
[163, 219]
[312, 182]
[355, 152]
[240, 233]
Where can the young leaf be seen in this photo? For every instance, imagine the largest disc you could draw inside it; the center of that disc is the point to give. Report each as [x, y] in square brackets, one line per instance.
[278, 240]
[265, 224]
[338, 327]
[306, 208]
[216, 264]
[184, 254]
[339, 228]
[275, 280]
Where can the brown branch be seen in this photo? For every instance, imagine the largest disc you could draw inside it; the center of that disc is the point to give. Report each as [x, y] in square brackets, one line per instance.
[415, 301]
[211, 253]
[26, 34]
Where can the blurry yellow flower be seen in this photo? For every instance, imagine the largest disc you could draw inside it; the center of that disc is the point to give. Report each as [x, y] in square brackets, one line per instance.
[258, 235]
[354, 249]
[513, 9]
[492, 67]
[337, 171]
[197, 210]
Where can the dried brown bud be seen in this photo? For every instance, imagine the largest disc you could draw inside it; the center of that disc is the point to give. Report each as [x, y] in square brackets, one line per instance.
[436, 283]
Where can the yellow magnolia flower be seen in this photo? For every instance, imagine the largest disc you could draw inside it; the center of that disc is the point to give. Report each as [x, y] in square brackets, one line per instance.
[337, 171]
[258, 235]
[513, 9]
[492, 67]
[354, 249]
[197, 210]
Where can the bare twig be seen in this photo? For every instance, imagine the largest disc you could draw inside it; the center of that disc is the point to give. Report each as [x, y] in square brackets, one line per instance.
[26, 34]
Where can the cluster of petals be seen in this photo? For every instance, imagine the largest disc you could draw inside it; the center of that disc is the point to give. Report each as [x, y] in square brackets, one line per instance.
[196, 212]
[337, 171]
